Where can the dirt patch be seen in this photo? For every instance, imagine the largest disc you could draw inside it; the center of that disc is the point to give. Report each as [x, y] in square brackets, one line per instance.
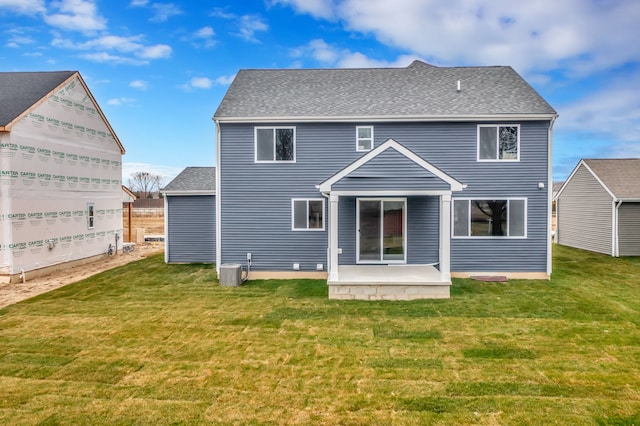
[14, 293]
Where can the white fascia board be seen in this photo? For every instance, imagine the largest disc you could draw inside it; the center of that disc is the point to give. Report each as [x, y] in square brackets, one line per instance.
[387, 118]
[389, 193]
[390, 144]
[186, 193]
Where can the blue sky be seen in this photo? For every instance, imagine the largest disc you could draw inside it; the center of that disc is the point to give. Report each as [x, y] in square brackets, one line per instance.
[159, 69]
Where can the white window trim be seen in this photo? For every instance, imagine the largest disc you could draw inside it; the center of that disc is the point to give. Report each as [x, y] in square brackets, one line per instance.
[90, 217]
[404, 229]
[274, 128]
[490, 237]
[324, 220]
[358, 139]
[496, 160]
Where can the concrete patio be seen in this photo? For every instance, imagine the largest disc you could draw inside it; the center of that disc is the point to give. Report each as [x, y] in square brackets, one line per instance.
[388, 282]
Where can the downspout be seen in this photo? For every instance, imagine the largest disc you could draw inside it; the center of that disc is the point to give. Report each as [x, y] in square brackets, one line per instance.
[167, 240]
[218, 200]
[326, 195]
[616, 233]
[550, 197]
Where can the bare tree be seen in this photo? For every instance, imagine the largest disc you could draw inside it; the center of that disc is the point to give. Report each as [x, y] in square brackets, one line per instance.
[145, 184]
[496, 212]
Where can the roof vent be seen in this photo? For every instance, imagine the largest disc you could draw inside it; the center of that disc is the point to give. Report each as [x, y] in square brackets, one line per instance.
[458, 85]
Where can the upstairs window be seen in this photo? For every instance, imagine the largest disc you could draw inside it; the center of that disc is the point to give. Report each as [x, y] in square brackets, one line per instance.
[307, 215]
[498, 142]
[275, 144]
[364, 138]
[490, 218]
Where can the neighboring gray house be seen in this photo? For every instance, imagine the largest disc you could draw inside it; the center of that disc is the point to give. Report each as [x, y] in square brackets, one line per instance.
[598, 207]
[387, 182]
[190, 220]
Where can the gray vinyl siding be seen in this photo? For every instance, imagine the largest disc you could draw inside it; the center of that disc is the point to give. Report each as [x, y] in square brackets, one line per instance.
[191, 229]
[629, 229]
[256, 198]
[390, 183]
[347, 230]
[423, 230]
[584, 211]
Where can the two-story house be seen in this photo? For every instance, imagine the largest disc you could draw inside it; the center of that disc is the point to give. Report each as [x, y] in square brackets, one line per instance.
[386, 181]
[60, 175]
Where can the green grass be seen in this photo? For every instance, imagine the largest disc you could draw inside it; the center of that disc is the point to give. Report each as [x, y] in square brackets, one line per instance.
[150, 343]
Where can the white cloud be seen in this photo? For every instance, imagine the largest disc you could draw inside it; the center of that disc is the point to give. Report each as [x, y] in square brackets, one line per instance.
[219, 12]
[109, 42]
[120, 101]
[318, 8]
[204, 32]
[612, 112]
[158, 51]
[19, 40]
[26, 7]
[206, 82]
[139, 84]
[131, 45]
[332, 56]
[203, 37]
[200, 83]
[76, 15]
[249, 25]
[224, 80]
[163, 11]
[104, 57]
[577, 35]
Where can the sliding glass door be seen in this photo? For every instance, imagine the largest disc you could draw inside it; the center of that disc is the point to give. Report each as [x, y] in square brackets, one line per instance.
[381, 230]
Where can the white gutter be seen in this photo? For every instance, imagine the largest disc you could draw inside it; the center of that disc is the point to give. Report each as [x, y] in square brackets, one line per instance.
[188, 192]
[386, 118]
[550, 198]
[218, 200]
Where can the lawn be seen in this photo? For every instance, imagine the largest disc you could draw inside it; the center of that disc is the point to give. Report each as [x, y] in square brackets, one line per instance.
[150, 343]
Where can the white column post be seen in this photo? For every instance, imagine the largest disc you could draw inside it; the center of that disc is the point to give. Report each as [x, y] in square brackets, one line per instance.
[333, 237]
[445, 237]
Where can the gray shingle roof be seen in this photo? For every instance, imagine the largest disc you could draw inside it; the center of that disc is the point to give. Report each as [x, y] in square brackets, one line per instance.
[20, 90]
[193, 179]
[620, 175]
[419, 90]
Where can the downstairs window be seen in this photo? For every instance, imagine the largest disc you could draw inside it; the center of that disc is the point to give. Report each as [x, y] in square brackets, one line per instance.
[480, 218]
[307, 215]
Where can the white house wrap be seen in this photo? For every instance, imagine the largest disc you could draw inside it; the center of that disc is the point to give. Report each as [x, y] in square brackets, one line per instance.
[60, 173]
